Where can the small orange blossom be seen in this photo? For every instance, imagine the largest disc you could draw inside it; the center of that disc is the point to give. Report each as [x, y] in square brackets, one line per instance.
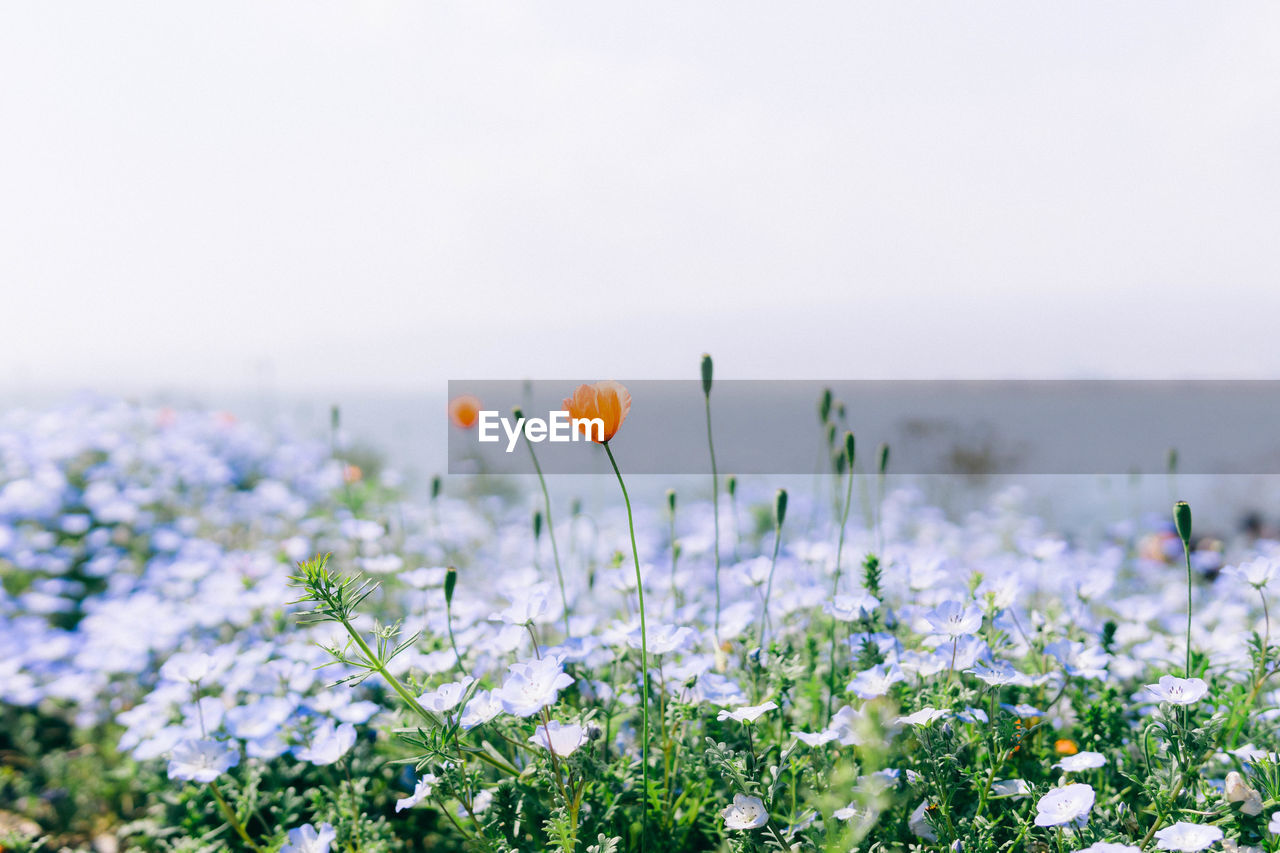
[609, 401]
[464, 411]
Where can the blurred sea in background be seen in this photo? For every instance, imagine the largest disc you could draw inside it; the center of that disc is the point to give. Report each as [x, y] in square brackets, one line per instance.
[409, 433]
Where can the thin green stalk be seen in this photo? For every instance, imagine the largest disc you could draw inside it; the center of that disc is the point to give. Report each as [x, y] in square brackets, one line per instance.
[231, 817]
[1186, 551]
[768, 590]
[715, 510]
[644, 653]
[835, 589]
[551, 531]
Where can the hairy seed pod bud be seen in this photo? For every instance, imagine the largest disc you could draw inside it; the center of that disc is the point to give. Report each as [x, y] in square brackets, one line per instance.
[1182, 520]
[671, 501]
[884, 458]
[824, 406]
[780, 507]
[848, 448]
[436, 483]
[517, 412]
[450, 582]
[731, 485]
[537, 524]
[706, 374]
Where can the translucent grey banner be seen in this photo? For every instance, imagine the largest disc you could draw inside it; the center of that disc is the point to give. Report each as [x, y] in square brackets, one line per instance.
[932, 427]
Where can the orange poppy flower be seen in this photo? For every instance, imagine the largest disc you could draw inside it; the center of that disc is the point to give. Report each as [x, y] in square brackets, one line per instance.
[1065, 747]
[609, 401]
[464, 411]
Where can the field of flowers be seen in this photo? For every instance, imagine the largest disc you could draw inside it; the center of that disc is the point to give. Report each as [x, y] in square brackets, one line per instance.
[217, 637]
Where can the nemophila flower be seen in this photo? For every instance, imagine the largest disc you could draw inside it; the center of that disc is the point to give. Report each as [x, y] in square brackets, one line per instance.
[994, 673]
[445, 697]
[561, 739]
[745, 813]
[1273, 826]
[1066, 806]
[202, 760]
[421, 791]
[876, 681]
[1079, 660]
[310, 839]
[850, 608]
[1109, 847]
[953, 619]
[970, 714]
[464, 411]
[747, 714]
[480, 709]
[327, 744]
[1014, 788]
[532, 686]
[607, 401]
[1178, 691]
[919, 824]
[524, 609]
[923, 717]
[1257, 573]
[1023, 711]
[1187, 837]
[663, 639]
[1081, 761]
[191, 667]
[1236, 791]
[815, 739]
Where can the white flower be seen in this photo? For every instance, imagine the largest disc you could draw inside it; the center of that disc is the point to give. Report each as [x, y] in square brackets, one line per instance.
[1238, 792]
[995, 674]
[1079, 660]
[420, 792]
[1257, 573]
[1178, 691]
[306, 839]
[1187, 837]
[532, 686]
[849, 726]
[191, 667]
[1015, 788]
[524, 609]
[663, 639]
[816, 738]
[923, 717]
[328, 743]
[1082, 761]
[1274, 825]
[851, 608]
[445, 697]
[953, 619]
[747, 713]
[1109, 847]
[876, 681]
[481, 708]
[745, 813]
[561, 740]
[918, 822]
[1069, 804]
[202, 760]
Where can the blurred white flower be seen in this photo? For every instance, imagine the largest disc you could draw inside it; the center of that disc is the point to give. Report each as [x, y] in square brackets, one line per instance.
[563, 740]
[309, 839]
[1187, 837]
[745, 813]
[1178, 691]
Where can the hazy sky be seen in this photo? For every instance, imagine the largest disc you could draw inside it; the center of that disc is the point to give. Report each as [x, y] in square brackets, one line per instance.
[316, 195]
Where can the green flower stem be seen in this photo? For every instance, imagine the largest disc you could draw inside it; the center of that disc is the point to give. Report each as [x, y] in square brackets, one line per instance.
[768, 590]
[1186, 552]
[644, 652]
[551, 531]
[715, 511]
[231, 817]
[835, 589]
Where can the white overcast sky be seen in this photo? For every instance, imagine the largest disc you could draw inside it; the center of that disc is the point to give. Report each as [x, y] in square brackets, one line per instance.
[384, 196]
